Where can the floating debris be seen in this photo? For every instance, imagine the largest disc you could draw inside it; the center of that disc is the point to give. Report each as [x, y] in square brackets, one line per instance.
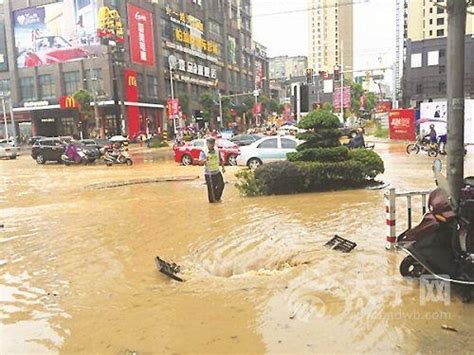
[169, 269]
[340, 244]
[448, 327]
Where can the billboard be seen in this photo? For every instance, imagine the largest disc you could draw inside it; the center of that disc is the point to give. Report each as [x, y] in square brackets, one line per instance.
[402, 124]
[436, 113]
[140, 25]
[259, 74]
[55, 33]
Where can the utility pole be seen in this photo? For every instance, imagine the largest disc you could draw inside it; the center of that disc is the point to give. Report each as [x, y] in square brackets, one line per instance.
[457, 10]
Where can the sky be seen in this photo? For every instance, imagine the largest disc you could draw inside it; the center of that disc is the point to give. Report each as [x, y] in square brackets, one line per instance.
[286, 34]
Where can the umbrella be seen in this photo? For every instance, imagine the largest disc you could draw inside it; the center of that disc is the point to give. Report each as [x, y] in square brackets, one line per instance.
[118, 139]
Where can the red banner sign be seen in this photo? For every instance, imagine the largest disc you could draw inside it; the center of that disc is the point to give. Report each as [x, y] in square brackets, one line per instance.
[140, 25]
[257, 108]
[402, 124]
[346, 97]
[131, 94]
[68, 102]
[173, 107]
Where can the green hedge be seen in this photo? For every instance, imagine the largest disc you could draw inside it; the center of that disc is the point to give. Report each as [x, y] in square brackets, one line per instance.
[331, 176]
[329, 155]
[158, 142]
[279, 178]
[370, 160]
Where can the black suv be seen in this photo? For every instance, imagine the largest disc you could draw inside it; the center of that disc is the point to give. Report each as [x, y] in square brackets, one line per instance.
[48, 149]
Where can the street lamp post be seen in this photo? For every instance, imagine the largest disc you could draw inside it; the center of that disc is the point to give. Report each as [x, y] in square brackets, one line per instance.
[5, 118]
[220, 109]
[172, 61]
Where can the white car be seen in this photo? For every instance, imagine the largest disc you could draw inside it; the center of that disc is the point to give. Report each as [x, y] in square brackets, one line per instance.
[266, 150]
[8, 151]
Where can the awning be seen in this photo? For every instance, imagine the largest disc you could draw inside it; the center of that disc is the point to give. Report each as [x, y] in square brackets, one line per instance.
[100, 103]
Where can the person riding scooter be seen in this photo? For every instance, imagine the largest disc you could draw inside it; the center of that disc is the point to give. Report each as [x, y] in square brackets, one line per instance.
[357, 141]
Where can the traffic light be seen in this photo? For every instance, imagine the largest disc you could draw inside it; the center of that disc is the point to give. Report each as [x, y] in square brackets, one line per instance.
[337, 73]
[304, 98]
[309, 75]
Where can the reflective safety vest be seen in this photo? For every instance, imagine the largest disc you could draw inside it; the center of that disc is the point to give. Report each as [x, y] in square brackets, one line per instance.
[214, 161]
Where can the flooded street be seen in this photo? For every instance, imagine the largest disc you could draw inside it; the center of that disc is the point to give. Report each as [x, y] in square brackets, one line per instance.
[77, 271]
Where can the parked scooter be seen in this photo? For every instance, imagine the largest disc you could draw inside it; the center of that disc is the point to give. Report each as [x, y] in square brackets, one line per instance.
[117, 156]
[443, 243]
[74, 155]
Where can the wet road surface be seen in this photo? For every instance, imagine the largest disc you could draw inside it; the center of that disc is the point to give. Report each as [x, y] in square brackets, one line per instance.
[77, 270]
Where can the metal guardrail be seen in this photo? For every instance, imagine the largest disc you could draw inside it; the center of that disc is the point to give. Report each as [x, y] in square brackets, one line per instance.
[390, 198]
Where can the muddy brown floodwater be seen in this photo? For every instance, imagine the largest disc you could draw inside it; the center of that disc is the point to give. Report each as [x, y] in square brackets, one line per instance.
[77, 270]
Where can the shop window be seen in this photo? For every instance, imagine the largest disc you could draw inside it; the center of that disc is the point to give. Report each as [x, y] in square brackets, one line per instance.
[27, 89]
[419, 88]
[5, 85]
[141, 85]
[46, 86]
[72, 82]
[442, 87]
[152, 82]
[440, 33]
[440, 21]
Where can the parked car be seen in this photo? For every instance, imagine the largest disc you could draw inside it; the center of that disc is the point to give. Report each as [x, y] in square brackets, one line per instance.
[245, 139]
[265, 150]
[8, 151]
[101, 144]
[188, 153]
[34, 139]
[10, 141]
[92, 152]
[48, 149]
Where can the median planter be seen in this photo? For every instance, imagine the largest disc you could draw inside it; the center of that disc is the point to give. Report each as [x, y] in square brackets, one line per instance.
[319, 164]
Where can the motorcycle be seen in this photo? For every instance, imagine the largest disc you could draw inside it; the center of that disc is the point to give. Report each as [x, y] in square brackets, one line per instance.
[423, 143]
[117, 157]
[442, 245]
[74, 156]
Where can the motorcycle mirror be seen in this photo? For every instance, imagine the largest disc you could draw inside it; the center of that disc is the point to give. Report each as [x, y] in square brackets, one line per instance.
[437, 166]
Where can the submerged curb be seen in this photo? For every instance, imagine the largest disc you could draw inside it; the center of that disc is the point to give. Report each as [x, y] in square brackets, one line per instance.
[112, 185]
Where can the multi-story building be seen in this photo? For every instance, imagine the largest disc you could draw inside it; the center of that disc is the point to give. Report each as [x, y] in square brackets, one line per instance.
[424, 70]
[427, 19]
[330, 34]
[50, 49]
[424, 76]
[285, 67]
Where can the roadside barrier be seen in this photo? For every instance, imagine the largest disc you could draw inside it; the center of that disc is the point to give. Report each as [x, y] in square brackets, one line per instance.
[390, 198]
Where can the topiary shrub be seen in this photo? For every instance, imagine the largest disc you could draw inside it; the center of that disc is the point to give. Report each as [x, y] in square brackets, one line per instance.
[278, 178]
[319, 164]
[320, 155]
[371, 161]
[320, 119]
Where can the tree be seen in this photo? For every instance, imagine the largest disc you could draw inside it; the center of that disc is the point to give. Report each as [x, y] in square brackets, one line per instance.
[83, 99]
[357, 91]
[184, 103]
[208, 106]
[274, 106]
